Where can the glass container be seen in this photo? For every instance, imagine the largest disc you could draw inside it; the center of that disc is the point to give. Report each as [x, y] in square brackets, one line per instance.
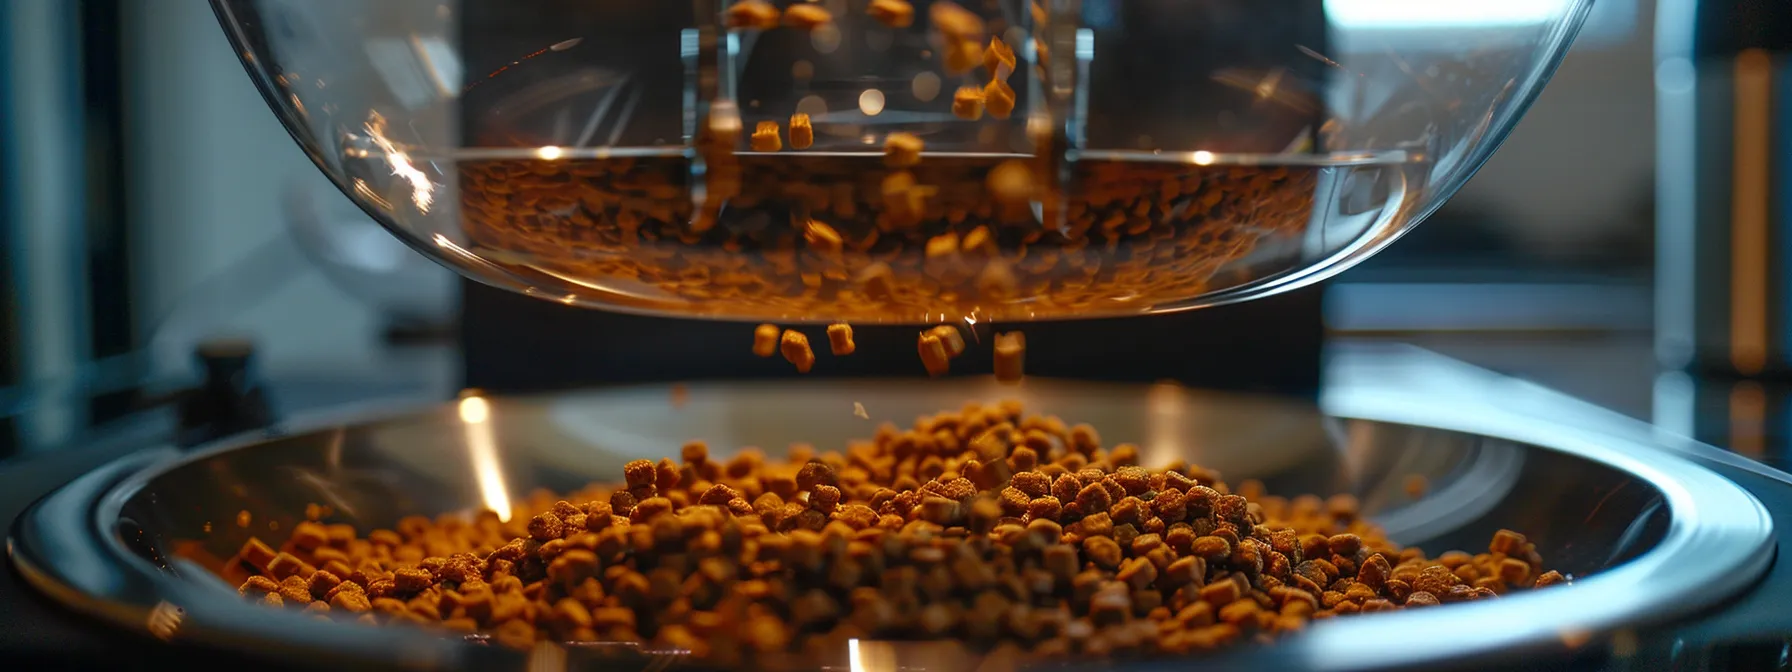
[899, 161]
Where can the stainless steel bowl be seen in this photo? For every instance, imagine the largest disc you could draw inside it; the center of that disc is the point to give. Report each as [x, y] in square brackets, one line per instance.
[1648, 533]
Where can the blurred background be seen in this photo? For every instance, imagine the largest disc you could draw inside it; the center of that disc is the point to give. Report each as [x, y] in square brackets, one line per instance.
[149, 200]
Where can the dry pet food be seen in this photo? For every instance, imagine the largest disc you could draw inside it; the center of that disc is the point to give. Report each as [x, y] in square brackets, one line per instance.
[892, 13]
[840, 339]
[987, 525]
[765, 137]
[752, 14]
[1011, 354]
[765, 340]
[967, 103]
[802, 133]
[807, 16]
[795, 347]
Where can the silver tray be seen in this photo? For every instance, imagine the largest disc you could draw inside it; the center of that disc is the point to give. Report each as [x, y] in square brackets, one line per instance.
[1648, 533]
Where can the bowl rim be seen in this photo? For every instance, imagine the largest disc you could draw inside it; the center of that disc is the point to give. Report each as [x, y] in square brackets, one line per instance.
[1717, 540]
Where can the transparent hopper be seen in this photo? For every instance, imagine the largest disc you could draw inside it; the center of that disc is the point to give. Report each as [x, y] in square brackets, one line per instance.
[710, 158]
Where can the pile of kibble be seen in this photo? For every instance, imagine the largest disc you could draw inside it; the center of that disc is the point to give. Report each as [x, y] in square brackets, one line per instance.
[987, 525]
[851, 239]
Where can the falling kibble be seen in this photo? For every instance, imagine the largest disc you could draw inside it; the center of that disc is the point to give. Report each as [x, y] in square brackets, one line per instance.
[998, 59]
[858, 409]
[840, 339]
[967, 103]
[765, 340]
[1011, 353]
[902, 150]
[892, 13]
[752, 14]
[795, 347]
[998, 99]
[807, 16]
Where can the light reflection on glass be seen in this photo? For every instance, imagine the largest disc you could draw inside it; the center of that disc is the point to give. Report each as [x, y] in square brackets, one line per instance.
[422, 190]
[482, 444]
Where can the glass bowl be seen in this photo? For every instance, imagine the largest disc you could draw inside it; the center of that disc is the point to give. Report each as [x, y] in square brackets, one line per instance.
[899, 161]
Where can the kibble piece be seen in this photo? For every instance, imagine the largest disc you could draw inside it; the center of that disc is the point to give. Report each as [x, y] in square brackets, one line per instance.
[892, 13]
[807, 16]
[802, 132]
[998, 58]
[795, 347]
[934, 355]
[840, 342]
[956, 23]
[754, 14]
[998, 99]
[950, 338]
[902, 150]
[765, 137]
[823, 239]
[1011, 353]
[967, 103]
[765, 341]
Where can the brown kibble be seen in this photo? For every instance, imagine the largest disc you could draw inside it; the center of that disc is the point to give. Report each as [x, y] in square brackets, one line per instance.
[765, 137]
[840, 340]
[1103, 551]
[286, 565]
[962, 56]
[1138, 573]
[638, 473]
[823, 239]
[902, 150]
[1514, 571]
[1015, 532]
[753, 14]
[807, 16]
[1507, 542]
[765, 343]
[933, 354]
[998, 58]
[876, 281]
[1221, 593]
[892, 13]
[998, 99]
[1212, 548]
[795, 347]
[813, 474]
[1094, 497]
[802, 131]
[955, 22]
[1011, 352]
[967, 103]
[949, 337]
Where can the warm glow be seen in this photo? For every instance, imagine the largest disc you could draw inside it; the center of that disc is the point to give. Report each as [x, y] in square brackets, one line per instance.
[550, 152]
[482, 444]
[1202, 158]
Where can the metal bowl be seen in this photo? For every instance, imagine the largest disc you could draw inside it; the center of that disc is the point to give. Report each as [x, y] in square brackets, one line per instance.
[1648, 534]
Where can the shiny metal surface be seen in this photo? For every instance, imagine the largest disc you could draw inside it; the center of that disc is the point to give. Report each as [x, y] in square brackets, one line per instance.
[1651, 534]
